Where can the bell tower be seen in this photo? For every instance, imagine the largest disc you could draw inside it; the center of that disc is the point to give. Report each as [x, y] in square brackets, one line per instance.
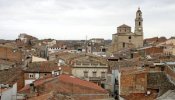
[139, 22]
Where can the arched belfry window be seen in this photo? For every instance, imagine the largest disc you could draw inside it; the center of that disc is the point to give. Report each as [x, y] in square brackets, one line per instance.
[139, 23]
[139, 14]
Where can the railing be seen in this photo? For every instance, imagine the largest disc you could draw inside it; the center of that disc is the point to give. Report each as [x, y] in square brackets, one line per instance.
[97, 78]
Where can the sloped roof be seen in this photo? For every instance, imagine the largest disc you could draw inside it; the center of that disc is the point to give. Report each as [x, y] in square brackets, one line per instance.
[7, 62]
[67, 79]
[77, 81]
[37, 83]
[10, 76]
[169, 95]
[46, 66]
[45, 96]
[124, 26]
[88, 58]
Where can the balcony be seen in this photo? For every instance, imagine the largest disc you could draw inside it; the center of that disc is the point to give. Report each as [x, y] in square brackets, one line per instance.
[97, 78]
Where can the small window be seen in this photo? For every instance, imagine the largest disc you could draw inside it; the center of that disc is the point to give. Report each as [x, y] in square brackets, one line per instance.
[123, 44]
[31, 75]
[162, 68]
[139, 23]
[94, 74]
[103, 50]
[152, 68]
[86, 74]
[139, 14]
[129, 37]
[132, 55]
[103, 74]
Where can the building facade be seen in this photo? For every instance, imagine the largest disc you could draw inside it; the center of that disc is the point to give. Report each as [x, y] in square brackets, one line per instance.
[124, 38]
[91, 69]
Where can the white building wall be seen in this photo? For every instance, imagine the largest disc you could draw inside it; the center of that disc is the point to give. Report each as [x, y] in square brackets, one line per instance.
[79, 72]
[53, 50]
[115, 74]
[37, 59]
[119, 77]
[28, 81]
[10, 94]
[51, 43]
[170, 41]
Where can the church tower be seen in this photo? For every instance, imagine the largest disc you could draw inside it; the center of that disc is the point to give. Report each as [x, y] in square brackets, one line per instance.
[139, 22]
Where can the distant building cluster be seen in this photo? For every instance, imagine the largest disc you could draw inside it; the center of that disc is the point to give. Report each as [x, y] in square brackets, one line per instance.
[128, 67]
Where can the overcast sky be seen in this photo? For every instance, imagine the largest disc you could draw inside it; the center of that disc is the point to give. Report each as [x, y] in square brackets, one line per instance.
[76, 19]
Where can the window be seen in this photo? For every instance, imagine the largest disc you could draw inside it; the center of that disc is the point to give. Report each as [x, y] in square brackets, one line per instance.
[86, 74]
[37, 76]
[103, 74]
[94, 74]
[123, 44]
[152, 68]
[129, 37]
[103, 50]
[56, 73]
[132, 55]
[31, 75]
[139, 23]
[162, 68]
[139, 14]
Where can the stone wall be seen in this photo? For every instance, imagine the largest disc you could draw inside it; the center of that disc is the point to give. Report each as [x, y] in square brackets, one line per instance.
[120, 42]
[159, 80]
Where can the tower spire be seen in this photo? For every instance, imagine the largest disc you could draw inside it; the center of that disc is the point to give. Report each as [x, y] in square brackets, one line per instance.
[139, 8]
[139, 22]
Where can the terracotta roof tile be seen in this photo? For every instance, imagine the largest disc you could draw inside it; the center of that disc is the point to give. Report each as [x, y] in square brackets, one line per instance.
[68, 80]
[37, 83]
[42, 67]
[10, 76]
[77, 81]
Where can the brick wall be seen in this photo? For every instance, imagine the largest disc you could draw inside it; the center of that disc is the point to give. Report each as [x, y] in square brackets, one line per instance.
[159, 80]
[153, 50]
[20, 81]
[10, 54]
[133, 83]
[42, 75]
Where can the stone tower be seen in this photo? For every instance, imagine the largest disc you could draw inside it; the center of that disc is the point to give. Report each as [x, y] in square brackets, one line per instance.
[139, 23]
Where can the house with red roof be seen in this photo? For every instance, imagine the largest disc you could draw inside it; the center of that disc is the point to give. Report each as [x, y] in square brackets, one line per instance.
[39, 70]
[63, 86]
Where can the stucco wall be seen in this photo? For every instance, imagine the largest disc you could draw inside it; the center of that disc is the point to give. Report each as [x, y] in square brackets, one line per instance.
[79, 72]
[10, 94]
